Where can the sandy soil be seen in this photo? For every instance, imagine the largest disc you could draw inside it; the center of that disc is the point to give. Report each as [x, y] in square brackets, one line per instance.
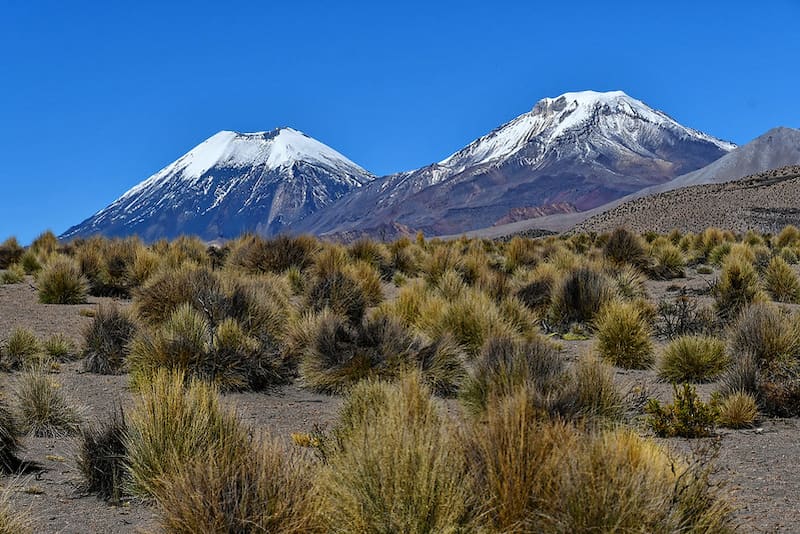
[759, 464]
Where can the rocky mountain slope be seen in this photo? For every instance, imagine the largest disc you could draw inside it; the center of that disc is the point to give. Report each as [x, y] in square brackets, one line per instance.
[583, 149]
[765, 202]
[229, 184]
[779, 147]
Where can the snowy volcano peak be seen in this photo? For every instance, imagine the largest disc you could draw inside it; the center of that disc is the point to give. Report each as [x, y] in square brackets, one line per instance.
[573, 115]
[232, 183]
[281, 147]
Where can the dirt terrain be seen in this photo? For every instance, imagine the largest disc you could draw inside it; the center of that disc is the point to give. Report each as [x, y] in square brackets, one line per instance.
[759, 464]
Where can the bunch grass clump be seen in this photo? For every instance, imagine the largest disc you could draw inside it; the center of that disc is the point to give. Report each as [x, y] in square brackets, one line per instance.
[175, 421]
[101, 458]
[10, 445]
[738, 286]
[59, 348]
[581, 295]
[61, 282]
[623, 336]
[781, 282]
[395, 465]
[737, 410]
[20, 348]
[13, 520]
[107, 340]
[43, 409]
[14, 274]
[549, 476]
[266, 489]
[693, 359]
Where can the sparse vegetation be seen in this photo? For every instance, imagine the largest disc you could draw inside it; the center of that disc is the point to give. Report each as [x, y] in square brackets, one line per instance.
[20, 348]
[101, 458]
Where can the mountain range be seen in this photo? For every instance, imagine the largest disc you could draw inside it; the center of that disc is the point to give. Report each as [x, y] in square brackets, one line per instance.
[569, 154]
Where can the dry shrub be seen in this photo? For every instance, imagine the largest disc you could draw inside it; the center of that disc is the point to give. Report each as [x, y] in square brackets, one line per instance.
[552, 477]
[369, 279]
[61, 282]
[623, 336]
[223, 353]
[506, 365]
[789, 235]
[45, 244]
[10, 445]
[267, 489]
[668, 262]
[15, 274]
[766, 333]
[623, 246]
[101, 458]
[470, 319]
[13, 520]
[629, 282]
[781, 282]
[59, 348]
[535, 288]
[340, 292]
[20, 348]
[738, 286]
[397, 465]
[737, 410]
[10, 252]
[173, 424]
[107, 340]
[693, 359]
[43, 409]
[257, 255]
[336, 354]
[580, 295]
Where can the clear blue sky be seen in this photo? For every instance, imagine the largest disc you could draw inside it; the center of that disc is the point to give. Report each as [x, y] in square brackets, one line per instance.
[97, 96]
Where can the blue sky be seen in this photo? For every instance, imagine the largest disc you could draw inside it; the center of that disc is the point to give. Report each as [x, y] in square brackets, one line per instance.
[97, 96]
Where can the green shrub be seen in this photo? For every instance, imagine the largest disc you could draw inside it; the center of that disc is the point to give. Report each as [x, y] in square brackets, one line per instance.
[781, 282]
[101, 458]
[506, 365]
[172, 425]
[693, 359]
[580, 295]
[15, 274]
[107, 340]
[43, 409]
[397, 465]
[687, 416]
[738, 410]
[61, 282]
[20, 348]
[267, 489]
[623, 336]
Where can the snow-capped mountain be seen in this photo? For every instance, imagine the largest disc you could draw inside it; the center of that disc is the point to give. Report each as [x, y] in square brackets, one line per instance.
[582, 149]
[231, 183]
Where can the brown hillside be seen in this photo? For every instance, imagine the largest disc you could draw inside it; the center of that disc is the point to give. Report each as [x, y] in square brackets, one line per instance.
[765, 202]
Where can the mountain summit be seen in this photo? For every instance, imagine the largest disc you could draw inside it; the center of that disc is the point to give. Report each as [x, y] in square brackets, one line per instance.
[581, 149]
[231, 183]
